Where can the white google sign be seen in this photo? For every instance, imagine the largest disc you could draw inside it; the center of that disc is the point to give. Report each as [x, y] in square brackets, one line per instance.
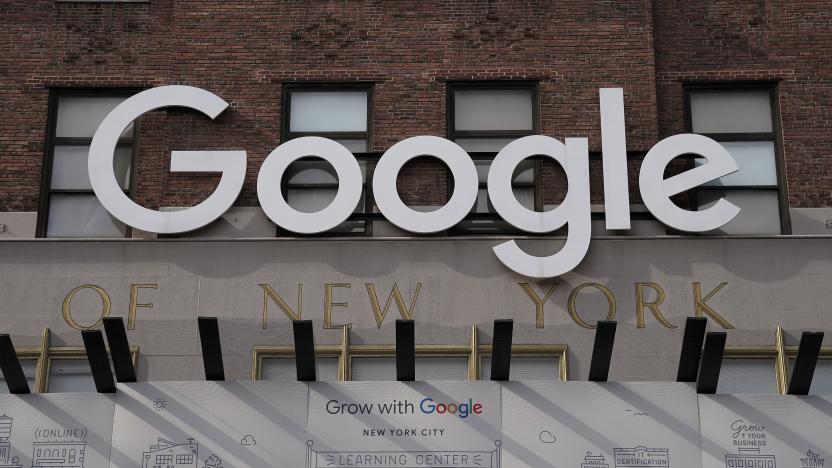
[573, 156]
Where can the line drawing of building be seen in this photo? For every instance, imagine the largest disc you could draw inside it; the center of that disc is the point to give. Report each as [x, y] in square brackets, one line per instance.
[641, 457]
[749, 458]
[812, 460]
[167, 454]
[58, 454]
[594, 461]
[6, 458]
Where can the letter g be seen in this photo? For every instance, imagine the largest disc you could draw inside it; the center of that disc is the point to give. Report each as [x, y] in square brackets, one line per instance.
[232, 164]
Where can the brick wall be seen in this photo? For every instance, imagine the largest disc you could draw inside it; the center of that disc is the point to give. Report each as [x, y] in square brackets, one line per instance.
[756, 40]
[245, 51]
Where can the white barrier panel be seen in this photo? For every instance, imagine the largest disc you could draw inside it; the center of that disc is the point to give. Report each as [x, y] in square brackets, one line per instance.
[60, 430]
[210, 425]
[765, 431]
[600, 425]
[387, 424]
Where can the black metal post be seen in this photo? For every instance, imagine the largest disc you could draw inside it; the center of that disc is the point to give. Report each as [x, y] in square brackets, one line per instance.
[599, 367]
[501, 350]
[708, 378]
[804, 364]
[99, 361]
[691, 352]
[304, 350]
[119, 349]
[405, 351]
[209, 337]
[11, 368]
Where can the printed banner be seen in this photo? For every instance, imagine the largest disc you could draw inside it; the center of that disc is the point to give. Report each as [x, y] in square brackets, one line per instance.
[765, 431]
[210, 425]
[56, 430]
[385, 424]
[600, 425]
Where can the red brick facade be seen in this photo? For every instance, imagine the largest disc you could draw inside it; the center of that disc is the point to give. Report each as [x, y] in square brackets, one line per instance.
[245, 51]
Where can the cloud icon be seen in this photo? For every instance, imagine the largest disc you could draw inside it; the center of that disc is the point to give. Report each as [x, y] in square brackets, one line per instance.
[547, 437]
[248, 440]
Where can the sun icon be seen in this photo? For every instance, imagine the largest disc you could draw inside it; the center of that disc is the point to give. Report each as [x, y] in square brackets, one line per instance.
[159, 404]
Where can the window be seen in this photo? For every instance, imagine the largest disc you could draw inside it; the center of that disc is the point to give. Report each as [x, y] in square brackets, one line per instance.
[341, 112]
[278, 363]
[482, 118]
[70, 375]
[433, 362]
[30, 367]
[68, 370]
[749, 370]
[742, 119]
[164, 459]
[69, 207]
[530, 362]
[822, 378]
[184, 459]
[377, 362]
[284, 369]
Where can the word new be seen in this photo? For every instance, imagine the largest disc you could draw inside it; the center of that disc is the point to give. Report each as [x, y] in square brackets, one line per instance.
[573, 156]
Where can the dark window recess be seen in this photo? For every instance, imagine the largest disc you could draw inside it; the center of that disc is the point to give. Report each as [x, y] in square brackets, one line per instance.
[743, 118]
[482, 118]
[341, 112]
[68, 206]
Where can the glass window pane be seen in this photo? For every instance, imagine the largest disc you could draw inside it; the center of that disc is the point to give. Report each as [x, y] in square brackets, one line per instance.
[747, 376]
[427, 368]
[493, 109]
[526, 368]
[760, 212]
[373, 368]
[79, 117]
[328, 111]
[355, 146]
[284, 369]
[483, 145]
[523, 173]
[441, 368]
[315, 171]
[29, 370]
[730, 111]
[69, 167]
[79, 215]
[822, 380]
[70, 375]
[755, 160]
[313, 199]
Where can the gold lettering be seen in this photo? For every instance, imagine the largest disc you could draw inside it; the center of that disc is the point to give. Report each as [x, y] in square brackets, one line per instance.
[538, 301]
[653, 306]
[574, 294]
[406, 313]
[329, 304]
[105, 311]
[134, 302]
[269, 292]
[700, 307]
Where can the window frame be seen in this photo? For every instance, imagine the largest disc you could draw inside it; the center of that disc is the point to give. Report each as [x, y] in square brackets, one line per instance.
[55, 94]
[452, 134]
[771, 352]
[74, 353]
[473, 350]
[775, 136]
[422, 350]
[368, 157]
[825, 354]
[262, 353]
[559, 352]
